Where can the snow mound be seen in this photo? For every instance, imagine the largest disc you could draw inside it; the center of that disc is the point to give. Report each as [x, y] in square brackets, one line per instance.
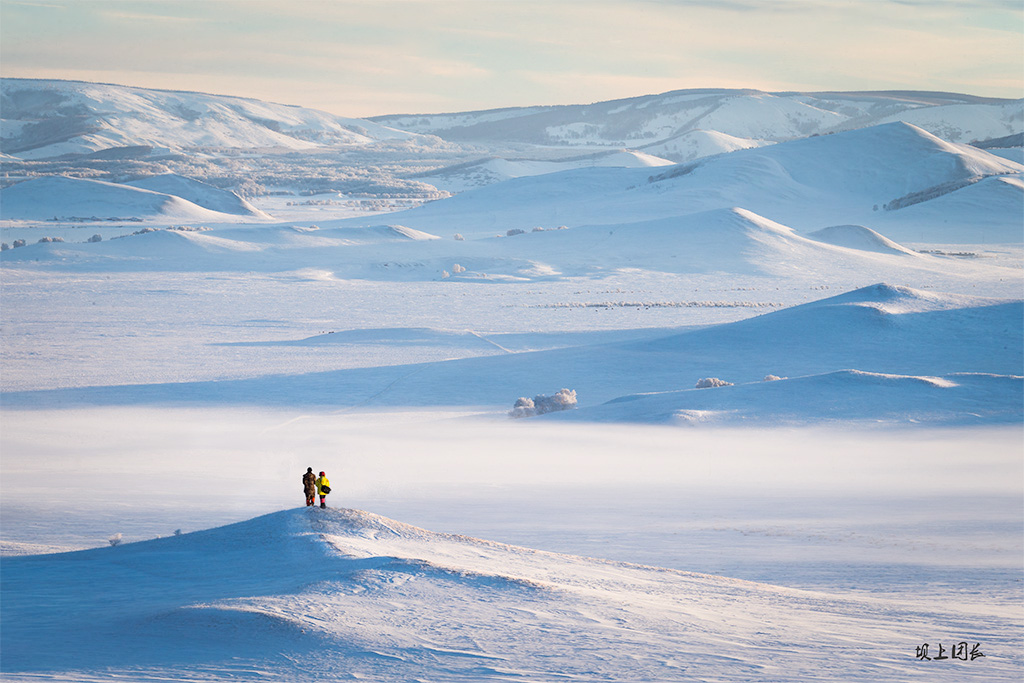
[86, 200]
[310, 594]
[859, 237]
[198, 193]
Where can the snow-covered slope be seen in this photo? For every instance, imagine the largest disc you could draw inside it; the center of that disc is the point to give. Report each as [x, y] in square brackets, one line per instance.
[311, 595]
[859, 237]
[71, 199]
[198, 193]
[746, 114]
[697, 144]
[48, 118]
[495, 170]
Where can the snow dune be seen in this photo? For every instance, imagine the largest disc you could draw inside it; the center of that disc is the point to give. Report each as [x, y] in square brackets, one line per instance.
[311, 594]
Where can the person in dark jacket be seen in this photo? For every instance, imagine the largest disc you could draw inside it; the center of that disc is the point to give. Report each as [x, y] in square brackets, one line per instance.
[309, 486]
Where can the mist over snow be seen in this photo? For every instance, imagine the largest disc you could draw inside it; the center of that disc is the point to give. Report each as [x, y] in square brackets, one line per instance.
[707, 385]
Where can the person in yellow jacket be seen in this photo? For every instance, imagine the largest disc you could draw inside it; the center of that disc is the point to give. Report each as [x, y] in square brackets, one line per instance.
[323, 487]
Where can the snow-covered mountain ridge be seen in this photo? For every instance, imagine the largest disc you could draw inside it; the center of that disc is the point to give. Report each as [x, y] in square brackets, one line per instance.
[48, 118]
[655, 120]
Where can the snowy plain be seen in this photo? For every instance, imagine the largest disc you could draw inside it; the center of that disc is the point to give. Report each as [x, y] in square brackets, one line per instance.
[168, 389]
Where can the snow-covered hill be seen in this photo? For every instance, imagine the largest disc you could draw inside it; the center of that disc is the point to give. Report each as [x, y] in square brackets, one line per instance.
[495, 170]
[48, 118]
[885, 178]
[744, 114]
[198, 193]
[312, 595]
[78, 199]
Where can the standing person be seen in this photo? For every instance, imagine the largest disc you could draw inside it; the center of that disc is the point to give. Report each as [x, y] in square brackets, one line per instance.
[309, 486]
[323, 487]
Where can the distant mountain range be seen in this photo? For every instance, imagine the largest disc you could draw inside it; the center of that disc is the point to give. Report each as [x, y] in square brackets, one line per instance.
[47, 118]
[660, 124]
[44, 119]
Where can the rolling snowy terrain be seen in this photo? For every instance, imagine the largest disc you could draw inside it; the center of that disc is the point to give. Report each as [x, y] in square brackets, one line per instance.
[770, 399]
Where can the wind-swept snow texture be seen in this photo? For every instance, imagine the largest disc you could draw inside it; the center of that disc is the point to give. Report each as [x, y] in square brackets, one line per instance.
[312, 595]
[47, 118]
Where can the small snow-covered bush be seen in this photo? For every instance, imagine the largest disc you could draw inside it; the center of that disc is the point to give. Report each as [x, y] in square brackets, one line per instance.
[538, 229]
[114, 540]
[564, 399]
[458, 269]
[4, 246]
[445, 275]
[95, 238]
[19, 243]
[45, 240]
[711, 382]
[177, 532]
[459, 238]
[514, 231]
[772, 378]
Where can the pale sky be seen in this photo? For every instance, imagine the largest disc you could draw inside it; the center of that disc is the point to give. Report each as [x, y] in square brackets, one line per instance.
[364, 57]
